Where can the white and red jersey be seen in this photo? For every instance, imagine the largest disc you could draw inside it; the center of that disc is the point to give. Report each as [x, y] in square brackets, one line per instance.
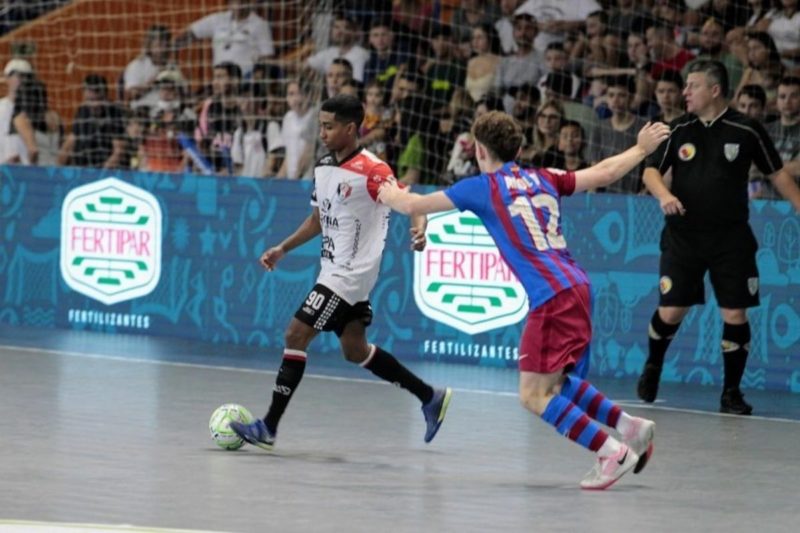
[354, 223]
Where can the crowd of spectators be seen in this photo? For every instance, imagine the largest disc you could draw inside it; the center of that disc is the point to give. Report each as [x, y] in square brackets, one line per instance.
[581, 77]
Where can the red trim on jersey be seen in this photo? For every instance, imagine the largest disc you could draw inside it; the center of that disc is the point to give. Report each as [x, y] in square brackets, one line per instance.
[564, 182]
[505, 219]
[375, 171]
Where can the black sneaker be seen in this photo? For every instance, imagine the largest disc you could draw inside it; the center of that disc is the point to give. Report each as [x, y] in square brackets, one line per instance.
[647, 388]
[732, 402]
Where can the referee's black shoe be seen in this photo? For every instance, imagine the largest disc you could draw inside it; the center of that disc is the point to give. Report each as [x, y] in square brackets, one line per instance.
[732, 402]
[647, 389]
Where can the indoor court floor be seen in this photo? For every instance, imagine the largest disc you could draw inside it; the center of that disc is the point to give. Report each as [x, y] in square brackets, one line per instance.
[110, 430]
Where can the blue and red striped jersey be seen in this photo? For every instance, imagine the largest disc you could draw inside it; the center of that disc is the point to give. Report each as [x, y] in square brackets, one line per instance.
[521, 210]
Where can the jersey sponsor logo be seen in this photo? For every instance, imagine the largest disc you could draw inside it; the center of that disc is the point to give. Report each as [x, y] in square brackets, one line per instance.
[752, 286]
[328, 248]
[461, 280]
[665, 284]
[343, 191]
[329, 221]
[111, 241]
[687, 152]
[731, 150]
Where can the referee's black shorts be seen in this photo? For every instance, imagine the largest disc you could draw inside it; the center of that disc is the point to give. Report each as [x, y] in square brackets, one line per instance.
[728, 255]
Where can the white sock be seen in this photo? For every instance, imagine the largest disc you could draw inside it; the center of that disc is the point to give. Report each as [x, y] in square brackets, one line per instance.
[610, 447]
[625, 423]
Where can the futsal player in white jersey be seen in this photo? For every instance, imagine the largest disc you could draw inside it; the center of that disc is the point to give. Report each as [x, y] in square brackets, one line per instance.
[353, 224]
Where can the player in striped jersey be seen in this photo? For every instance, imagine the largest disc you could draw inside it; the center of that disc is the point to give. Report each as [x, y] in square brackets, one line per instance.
[521, 211]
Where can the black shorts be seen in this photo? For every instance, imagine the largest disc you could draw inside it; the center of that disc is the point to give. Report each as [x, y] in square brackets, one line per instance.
[324, 310]
[729, 256]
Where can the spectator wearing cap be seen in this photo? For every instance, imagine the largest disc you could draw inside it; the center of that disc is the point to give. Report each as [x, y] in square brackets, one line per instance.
[169, 117]
[612, 135]
[344, 36]
[139, 78]
[557, 18]
[524, 65]
[98, 129]
[16, 72]
[238, 35]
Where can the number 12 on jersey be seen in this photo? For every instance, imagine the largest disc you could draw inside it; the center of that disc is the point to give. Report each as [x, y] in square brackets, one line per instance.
[544, 237]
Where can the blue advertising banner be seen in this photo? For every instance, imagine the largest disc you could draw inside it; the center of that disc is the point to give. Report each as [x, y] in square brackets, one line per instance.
[177, 255]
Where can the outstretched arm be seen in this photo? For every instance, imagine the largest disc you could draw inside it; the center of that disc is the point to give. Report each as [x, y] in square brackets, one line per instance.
[410, 203]
[613, 168]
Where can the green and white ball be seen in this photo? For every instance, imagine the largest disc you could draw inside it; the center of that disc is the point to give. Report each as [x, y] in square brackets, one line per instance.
[220, 425]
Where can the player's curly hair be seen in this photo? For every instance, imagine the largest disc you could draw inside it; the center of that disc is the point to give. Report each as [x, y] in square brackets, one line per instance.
[500, 134]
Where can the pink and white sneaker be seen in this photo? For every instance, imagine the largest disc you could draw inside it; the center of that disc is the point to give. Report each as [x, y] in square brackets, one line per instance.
[609, 469]
[639, 438]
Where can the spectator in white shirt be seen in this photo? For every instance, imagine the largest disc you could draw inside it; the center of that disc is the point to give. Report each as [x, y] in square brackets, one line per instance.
[557, 18]
[296, 123]
[16, 71]
[140, 75]
[238, 35]
[505, 26]
[344, 36]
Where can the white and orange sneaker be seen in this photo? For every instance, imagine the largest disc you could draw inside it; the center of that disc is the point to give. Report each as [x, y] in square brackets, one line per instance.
[609, 469]
[639, 438]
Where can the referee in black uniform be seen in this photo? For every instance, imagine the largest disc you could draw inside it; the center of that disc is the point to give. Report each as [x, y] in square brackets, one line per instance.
[709, 153]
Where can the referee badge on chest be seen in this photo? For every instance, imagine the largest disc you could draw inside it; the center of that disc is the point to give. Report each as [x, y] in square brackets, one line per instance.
[731, 151]
[686, 152]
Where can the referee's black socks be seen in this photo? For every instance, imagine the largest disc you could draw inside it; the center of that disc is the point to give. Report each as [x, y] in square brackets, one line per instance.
[735, 348]
[660, 336]
[385, 366]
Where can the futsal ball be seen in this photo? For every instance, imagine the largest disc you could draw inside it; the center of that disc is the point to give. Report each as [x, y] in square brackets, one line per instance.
[220, 425]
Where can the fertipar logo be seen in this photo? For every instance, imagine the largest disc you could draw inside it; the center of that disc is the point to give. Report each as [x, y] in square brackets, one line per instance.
[111, 241]
[462, 281]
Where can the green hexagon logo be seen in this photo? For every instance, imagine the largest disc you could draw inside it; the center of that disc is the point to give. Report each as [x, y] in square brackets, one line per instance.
[462, 281]
[111, 241]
